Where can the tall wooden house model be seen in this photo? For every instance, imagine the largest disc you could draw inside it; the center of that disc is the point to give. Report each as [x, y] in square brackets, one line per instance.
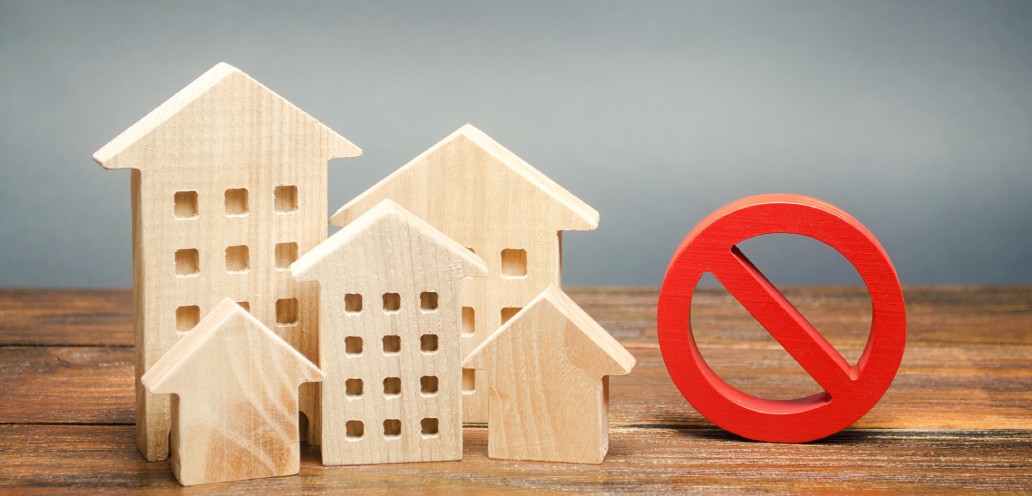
[229, 185]
[499, 207]
[234, 388]
[389, 338]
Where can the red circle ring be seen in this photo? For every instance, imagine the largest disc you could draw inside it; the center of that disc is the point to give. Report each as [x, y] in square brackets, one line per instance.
[850, 390]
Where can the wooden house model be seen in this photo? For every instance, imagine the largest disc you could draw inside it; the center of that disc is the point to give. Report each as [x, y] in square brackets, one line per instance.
[499, 207]
[229, 185]
[234, 396]
[389, 340]
[548, 369]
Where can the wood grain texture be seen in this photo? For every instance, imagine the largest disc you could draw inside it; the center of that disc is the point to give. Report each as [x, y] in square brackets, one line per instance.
[229, 185]
[956, 419]
[75, 459]
[500, 207]
[548, 371]
[234, 387]
[389, 344]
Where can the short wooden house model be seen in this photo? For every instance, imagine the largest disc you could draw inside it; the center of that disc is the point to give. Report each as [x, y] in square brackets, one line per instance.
[549, 371]
[229, 185]
[234, 386]
[389, 339]
[496, 205]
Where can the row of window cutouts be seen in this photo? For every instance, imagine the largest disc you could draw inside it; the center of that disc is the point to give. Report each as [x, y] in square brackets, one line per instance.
[237, 204]
[355, 388]
[391, 302]
[354, 430]
[238, 259]
[353, 345]
[188, 316]
[469, 326]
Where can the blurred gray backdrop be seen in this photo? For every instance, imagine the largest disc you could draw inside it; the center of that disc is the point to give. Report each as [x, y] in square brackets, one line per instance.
[914, 116]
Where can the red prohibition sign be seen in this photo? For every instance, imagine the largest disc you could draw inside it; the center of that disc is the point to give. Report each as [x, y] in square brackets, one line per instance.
[850, 391]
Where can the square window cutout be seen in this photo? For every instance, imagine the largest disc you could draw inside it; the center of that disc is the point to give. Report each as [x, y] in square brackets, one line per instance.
[428, 343]
[353, 388]
[185, 205]
[238, 259]
[352, 303]
[286, 254]
[429, 427]
[508, 313]
[392, 386]
[391, 302]
[468, 321]
[428, 385]
[286, 199]
[354, 430]
[514, 263]
[428, 301]
[236, 202]
[245, 305]
[353, 345]
[286, 311]
[392, 428]
[187, 317]
[188, 262]
[469, 380]
[392, 345]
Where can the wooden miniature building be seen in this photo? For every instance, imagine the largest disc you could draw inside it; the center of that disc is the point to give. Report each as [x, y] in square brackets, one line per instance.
[548, 370]
[234, 386]
[389, 338]
[229, 185]
[492, 202]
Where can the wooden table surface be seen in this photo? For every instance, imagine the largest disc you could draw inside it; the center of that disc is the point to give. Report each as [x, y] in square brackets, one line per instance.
[957, 418]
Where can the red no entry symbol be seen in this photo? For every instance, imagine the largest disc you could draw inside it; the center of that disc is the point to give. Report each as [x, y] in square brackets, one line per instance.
[850, 391]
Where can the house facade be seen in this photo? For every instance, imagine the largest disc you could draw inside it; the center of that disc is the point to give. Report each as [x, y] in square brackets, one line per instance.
[235, 399]
[548, 370]
[496, 205]
[229, 186]
[390, 325]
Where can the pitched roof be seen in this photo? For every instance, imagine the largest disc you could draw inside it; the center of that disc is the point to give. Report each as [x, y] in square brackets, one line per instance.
[384, 220]
[337, 145]
[614, 359]
[582, 216]
[224, 315]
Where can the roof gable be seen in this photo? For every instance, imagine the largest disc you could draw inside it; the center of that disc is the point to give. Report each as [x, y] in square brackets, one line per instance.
[210, 102]
[384, 238]
[227, 328]
[452, 159]
[587, 344]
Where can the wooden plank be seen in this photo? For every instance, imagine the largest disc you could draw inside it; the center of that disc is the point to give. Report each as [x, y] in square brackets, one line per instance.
[66, 317]
[73, 459]
[937, 388]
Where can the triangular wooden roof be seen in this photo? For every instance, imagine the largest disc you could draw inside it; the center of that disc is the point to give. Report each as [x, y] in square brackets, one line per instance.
[161, 377]
[580, 216]
[335, 145]
[613, 359]
[363, 240]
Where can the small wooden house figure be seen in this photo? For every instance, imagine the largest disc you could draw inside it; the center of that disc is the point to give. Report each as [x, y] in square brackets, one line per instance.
[229, 185]
[507, 212]
[549, 371]
[234, 386]
[389, 344]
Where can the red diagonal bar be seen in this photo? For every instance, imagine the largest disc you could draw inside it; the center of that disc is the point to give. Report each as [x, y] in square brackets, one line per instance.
[784, 322]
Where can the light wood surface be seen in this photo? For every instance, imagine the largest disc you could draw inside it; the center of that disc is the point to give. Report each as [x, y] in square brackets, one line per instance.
[491, 201]
[548, 368]
[389, 344]
[229, 185]
[956, 419]
[234, 387]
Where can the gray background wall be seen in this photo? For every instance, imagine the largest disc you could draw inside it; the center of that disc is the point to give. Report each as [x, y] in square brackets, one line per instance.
[914, 116]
